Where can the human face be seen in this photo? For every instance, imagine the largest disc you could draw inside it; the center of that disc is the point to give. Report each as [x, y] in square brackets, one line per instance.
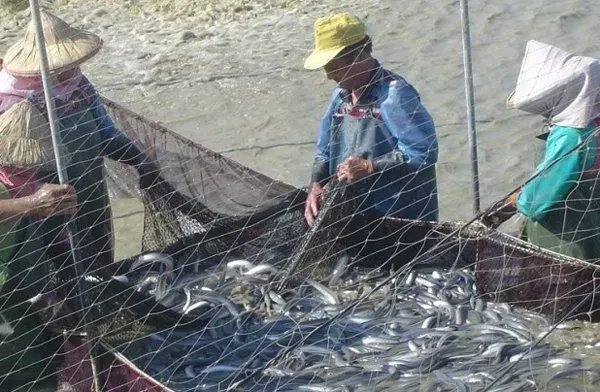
[342, 70]
[67, 75]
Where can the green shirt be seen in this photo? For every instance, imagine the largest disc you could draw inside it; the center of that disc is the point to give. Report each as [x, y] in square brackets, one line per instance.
[8, 238]
[555, 182]
[26, 354]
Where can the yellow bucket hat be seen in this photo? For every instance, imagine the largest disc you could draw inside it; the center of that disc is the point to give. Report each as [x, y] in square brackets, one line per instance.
[332, 34]
[67, 47]
[26, 137]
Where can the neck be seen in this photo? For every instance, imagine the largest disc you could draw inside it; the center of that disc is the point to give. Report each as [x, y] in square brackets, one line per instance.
[363, 79]
[357, 93]
[67, 75]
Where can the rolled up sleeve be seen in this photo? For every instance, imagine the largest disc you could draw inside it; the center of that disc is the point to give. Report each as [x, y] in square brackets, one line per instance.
[320, 170]
[411, 124]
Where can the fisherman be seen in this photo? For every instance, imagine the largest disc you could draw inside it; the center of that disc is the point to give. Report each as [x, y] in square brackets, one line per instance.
[375, 134]
[561, 201]
[86, 130]
[26, 347]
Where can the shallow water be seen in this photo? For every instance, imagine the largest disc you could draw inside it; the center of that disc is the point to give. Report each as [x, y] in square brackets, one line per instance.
[239, 87]
[242, 90]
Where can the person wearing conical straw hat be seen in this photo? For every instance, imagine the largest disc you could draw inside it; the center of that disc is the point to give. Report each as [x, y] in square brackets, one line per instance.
[26, 347]
[376, 134]
[87, 132]
[561, 201]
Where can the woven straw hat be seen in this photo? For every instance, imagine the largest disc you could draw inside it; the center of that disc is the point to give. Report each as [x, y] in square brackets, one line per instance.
[67, 47]
[26, 137]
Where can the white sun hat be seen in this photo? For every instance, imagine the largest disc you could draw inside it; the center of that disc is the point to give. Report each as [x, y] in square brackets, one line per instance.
[557, 85]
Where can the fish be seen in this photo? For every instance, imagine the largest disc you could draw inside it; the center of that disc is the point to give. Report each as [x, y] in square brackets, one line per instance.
[328, 295]
[6, 329]
[261, 269]
[121, 278]
[151, 258]
[339, 270]
[240, 265]
[416, 330]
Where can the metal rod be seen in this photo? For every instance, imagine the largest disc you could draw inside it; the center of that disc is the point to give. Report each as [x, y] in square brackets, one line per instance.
[466, 42]
[60, 165]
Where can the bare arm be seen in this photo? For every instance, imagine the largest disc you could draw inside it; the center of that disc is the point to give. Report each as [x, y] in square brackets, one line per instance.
[12, 210]
[49, 200]
[313, 202]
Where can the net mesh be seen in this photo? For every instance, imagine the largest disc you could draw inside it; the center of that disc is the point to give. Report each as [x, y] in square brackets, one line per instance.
[230, 289]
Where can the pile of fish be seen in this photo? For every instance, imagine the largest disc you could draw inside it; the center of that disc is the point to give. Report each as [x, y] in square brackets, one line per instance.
[359, 331]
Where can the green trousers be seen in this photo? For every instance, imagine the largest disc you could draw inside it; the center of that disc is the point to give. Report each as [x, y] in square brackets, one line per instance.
[27, 356]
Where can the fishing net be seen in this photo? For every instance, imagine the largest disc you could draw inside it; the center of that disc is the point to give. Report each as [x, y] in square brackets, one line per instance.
[258, 300]
[226, 287]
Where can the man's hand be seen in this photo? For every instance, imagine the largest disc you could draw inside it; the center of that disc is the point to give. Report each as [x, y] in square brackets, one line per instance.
[313, 202]
[497, 217]
[53, 199]
[354, 169]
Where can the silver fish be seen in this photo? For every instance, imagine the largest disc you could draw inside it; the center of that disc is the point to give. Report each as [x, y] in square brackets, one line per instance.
[339, 270]
[154, 257]
[261, 270]
[244, 265]
[328, 296]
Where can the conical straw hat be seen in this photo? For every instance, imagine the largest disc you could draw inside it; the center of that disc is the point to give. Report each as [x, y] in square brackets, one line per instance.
[26, 138]
[67, 47]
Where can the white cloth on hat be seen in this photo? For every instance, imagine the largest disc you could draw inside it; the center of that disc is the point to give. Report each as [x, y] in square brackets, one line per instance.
[557, 85]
